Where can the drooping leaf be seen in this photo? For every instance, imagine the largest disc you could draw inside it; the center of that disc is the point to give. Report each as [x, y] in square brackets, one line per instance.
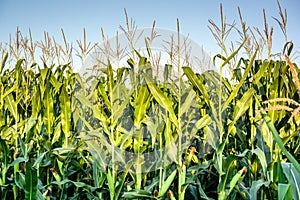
[201, 87]
[227, 60]
[162, 99]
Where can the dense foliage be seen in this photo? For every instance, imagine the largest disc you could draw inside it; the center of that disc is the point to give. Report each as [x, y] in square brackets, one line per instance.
[126, 133]
[53, 126]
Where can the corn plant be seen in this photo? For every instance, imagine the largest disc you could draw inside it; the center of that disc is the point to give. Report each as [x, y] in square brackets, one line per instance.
[138, 131]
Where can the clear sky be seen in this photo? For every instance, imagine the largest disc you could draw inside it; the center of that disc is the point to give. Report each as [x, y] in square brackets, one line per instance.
[74, 15]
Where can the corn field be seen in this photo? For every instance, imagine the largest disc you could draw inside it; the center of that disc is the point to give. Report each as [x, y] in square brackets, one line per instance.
[124, 133]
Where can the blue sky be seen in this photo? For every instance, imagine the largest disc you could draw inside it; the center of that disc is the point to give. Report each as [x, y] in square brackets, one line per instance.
[74, 15]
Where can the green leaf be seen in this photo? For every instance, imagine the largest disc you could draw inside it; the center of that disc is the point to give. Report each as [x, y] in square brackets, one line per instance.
[61, 151]
[203, 122]
[57, 85]
[226, 61]
[262, 158]
[167, 72]
[36, 103]
[44, 74]
[98, 175]
[93, 147]
[279, 171]
[103, 94]
[120, 185]
[17, 161]
[261, 72]
[229, 166]
[39, 159]
[189, 101]
[23, 147]
[118, 109]
[167, 183]
[9, 90]
[141, 104]
[111, 185]
[83, 99]
[293, 177]
[201, 87]
[31, 182]
[197, 83]
[241, 107]
[162, 99]
[57, 133]
[11, 105]
[201, 191]
[279, 141]
[210, 137]
[4, 150]
[75, 183]
[285, 192]
[133, 194]
[20, 180]
[256, 185]
[48, 118]
[65, 112]
[181, 181]
[237, 88]
[237, 177]
[4, 161]
[110, 78]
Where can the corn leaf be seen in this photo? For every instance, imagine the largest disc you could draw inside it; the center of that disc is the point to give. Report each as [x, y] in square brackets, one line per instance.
[241, 82]
[201, 87]
[255, 187]
[285, 191]
[241, 107]
[133, 194]
[141, 104]
[167, 183]
[293, 177]
[31, 182]
[65, 112]
[162, 99]
[48, 118]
